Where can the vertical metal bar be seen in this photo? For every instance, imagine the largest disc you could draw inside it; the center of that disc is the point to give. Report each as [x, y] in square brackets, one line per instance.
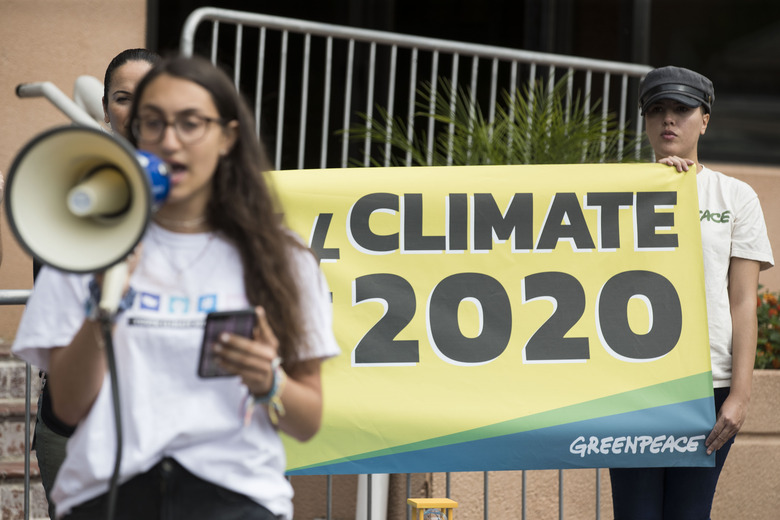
[550, 82]
[412, 91]
[569, 93]
[622, 120]
[329, 506]
[550, 86]
[560, 494]
[260, 74]
[304, 99]
[493, 92]
[474, 77]
[326, 101]
[390, 102]
[598, 494]
[588, 85]
[449, 484]
[473, 106]
[638, 145]
[214, 40]
[485, 495]
[27, 418]
[432, 104]
[368, 496]
[282, 89]
[369, 104]
[239, 44]
[347, 102]
[451, 115]
[513, 91]
[604, 112]
[524, 484]
[492, 106]
[531, 102]
[408, 495]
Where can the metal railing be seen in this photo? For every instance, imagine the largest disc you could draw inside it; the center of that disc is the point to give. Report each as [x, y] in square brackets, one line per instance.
[325, 74]
[277, 63]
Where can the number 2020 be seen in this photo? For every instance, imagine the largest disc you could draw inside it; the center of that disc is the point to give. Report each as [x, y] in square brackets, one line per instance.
[548, 344]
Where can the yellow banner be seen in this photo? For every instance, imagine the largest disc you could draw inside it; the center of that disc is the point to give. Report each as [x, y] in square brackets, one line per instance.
[491, 316]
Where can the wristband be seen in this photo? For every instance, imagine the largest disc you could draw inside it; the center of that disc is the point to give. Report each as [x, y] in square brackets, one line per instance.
[272, 399]
[276, 380]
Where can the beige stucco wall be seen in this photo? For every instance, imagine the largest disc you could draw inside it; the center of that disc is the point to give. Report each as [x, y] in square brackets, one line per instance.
[766, 181]
[57, 41]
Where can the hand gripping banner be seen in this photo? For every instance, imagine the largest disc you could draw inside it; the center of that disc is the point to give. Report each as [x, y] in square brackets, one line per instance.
[507, 317]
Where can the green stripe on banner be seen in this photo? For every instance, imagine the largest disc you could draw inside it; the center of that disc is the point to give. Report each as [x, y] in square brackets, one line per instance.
[686, 389]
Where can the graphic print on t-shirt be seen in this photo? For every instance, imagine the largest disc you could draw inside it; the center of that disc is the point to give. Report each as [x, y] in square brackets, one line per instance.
[160, 310]
[150, 301]
[207, 303]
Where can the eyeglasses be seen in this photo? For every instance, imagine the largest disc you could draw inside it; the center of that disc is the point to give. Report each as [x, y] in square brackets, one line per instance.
[189, 128]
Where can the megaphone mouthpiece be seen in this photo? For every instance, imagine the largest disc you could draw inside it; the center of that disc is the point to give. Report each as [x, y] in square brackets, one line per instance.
[104, 192]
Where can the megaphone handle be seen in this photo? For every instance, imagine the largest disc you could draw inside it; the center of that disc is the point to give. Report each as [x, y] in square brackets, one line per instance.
[114, 281]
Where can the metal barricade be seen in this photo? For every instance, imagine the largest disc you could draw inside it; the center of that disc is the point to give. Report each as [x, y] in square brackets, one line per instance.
[360, 68]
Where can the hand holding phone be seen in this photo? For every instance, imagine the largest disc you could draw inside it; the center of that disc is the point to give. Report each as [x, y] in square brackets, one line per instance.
[240, 322]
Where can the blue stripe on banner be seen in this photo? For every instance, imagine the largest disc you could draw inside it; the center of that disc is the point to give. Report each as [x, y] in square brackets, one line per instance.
[671, 435]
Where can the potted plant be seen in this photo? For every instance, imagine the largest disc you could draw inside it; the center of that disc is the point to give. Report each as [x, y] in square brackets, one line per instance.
[540, 124]
[768, 345]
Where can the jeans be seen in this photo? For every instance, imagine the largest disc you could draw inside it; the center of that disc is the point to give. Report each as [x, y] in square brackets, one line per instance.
[668, 493]
[170, 492]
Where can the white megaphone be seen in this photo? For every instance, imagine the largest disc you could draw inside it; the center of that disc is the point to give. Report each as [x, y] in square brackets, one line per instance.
[79, 199]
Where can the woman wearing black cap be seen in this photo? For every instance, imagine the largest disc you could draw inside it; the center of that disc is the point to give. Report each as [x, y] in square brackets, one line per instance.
[677, 104]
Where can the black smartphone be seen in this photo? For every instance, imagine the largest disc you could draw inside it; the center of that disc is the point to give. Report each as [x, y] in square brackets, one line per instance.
[240, 322]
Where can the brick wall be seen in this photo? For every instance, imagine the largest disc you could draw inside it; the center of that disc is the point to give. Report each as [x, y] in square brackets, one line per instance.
[12, 445]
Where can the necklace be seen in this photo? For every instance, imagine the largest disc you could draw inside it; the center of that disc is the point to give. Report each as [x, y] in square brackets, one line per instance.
[187, 225]
[175, 267]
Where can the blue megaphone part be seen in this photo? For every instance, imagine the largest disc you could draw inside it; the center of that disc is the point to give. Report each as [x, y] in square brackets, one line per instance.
[157, 174]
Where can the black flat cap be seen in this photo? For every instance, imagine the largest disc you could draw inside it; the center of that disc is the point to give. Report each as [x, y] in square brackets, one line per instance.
[682, 85]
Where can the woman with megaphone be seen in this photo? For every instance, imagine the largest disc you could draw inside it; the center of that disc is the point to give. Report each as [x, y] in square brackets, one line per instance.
[121, 77]
[195, 447]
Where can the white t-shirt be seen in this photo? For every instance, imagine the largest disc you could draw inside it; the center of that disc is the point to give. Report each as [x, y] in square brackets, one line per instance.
[732, 225]
[167, 410]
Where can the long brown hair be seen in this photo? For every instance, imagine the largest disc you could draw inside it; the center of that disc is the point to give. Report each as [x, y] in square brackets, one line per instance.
[242, 205]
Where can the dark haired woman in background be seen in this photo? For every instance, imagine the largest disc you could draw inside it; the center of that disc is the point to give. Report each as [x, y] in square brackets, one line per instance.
[677, 104]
